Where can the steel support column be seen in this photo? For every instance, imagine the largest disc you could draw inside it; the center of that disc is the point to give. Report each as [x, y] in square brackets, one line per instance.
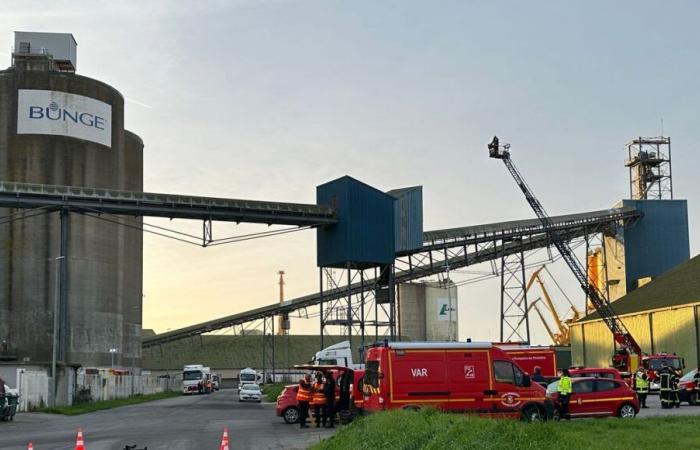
[63, 285]
[514, 315]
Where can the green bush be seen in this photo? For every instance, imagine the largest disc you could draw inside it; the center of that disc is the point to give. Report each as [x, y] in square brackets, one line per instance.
[433, 430]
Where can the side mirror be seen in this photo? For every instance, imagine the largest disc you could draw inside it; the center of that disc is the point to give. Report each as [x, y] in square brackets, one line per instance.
[526, 380]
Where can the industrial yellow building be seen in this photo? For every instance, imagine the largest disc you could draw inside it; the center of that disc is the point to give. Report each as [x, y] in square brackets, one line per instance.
[663, 316]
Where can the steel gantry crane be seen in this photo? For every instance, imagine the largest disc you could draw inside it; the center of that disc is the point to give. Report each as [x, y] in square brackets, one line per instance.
[628, 353]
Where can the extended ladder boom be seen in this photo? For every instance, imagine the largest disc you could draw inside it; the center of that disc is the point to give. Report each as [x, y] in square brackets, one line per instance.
[620, 333]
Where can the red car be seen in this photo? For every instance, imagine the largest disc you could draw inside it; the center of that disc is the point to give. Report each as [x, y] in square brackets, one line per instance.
[687, 389]
[598, 397]
[595, 372]
[288, 408]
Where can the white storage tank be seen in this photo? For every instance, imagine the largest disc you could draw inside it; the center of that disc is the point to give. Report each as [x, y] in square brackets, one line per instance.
[428, 311]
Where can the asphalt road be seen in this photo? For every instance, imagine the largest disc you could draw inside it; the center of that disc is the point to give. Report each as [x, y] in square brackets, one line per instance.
[655, 410]
[180, 423]
[189, 423]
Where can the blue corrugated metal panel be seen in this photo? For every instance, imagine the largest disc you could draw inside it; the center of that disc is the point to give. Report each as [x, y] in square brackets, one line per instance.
[658, 242]
[408, 218]
[364, 234]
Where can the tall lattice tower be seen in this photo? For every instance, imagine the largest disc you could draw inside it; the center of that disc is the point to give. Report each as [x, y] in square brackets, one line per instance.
[649, 162]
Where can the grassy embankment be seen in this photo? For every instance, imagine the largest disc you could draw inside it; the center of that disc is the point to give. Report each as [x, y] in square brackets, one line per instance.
[84, 408]
[272, 391]
[432, 430]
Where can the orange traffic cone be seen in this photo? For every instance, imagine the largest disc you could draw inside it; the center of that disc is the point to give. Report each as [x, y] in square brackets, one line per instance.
[79, 443]
[224, 440]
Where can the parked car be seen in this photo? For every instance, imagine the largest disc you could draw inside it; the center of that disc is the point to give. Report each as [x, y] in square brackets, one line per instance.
[596, 372]
[597, 397]
[287, 406]
[250, 393]
[687, 389]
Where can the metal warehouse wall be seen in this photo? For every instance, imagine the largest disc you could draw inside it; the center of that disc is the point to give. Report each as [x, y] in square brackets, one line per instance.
[671, 330]
[408, 218]
[655, 244]
[364, 234]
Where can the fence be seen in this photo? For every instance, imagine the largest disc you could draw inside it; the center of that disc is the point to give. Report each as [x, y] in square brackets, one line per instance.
[33, 387]
[106, 386]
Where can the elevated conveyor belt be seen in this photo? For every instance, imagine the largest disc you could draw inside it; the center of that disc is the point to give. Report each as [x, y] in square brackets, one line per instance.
[503, 235]
[147, 204]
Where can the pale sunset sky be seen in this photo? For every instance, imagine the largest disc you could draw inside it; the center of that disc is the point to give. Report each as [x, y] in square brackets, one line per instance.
[259, 99]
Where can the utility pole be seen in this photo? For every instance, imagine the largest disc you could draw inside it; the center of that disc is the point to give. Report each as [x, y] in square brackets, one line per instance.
[56, 324]
[283, 319]
[450, 326]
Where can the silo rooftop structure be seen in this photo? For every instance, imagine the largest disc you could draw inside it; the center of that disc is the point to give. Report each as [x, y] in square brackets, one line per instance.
[61, 128]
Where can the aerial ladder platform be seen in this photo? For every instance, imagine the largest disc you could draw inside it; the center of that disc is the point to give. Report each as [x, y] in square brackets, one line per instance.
[628, 353]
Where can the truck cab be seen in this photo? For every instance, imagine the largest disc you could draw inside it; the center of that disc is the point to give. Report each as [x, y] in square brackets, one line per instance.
[653, 363]
[249, 375]
[196, 379]
[452, 376]
[339, 354]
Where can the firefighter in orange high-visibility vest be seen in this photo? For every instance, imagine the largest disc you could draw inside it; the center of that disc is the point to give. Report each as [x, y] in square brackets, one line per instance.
[303, 398]
[319, 400]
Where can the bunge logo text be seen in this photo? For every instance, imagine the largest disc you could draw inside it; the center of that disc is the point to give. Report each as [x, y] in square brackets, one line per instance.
[54, 112]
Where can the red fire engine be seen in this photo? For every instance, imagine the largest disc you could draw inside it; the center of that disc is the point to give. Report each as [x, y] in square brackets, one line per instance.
[453, 376]
[527, 357]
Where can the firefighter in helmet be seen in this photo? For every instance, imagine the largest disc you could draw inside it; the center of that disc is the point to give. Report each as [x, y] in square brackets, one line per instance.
[666, 386]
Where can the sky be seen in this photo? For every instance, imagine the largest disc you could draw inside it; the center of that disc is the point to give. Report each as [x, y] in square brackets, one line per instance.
[259, 99]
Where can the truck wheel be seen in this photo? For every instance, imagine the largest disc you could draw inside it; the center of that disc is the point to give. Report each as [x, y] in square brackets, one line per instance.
[626, 411]
[532, 413]
[291, 415]
[411, 408]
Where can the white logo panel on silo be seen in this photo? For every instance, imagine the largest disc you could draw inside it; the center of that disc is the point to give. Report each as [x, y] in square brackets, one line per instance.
[444, 308]
[64, 114]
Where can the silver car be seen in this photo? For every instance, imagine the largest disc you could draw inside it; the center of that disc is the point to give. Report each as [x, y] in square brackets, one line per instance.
[250, 393]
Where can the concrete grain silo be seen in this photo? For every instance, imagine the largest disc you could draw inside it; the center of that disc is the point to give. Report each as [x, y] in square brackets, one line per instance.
[60, 128]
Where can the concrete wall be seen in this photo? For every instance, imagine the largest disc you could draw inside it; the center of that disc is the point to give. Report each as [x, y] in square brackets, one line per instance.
[672, 330]
[104, 264]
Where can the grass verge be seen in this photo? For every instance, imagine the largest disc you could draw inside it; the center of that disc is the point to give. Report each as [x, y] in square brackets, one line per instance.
[433, 430]
[85, 408]
[272, 391]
